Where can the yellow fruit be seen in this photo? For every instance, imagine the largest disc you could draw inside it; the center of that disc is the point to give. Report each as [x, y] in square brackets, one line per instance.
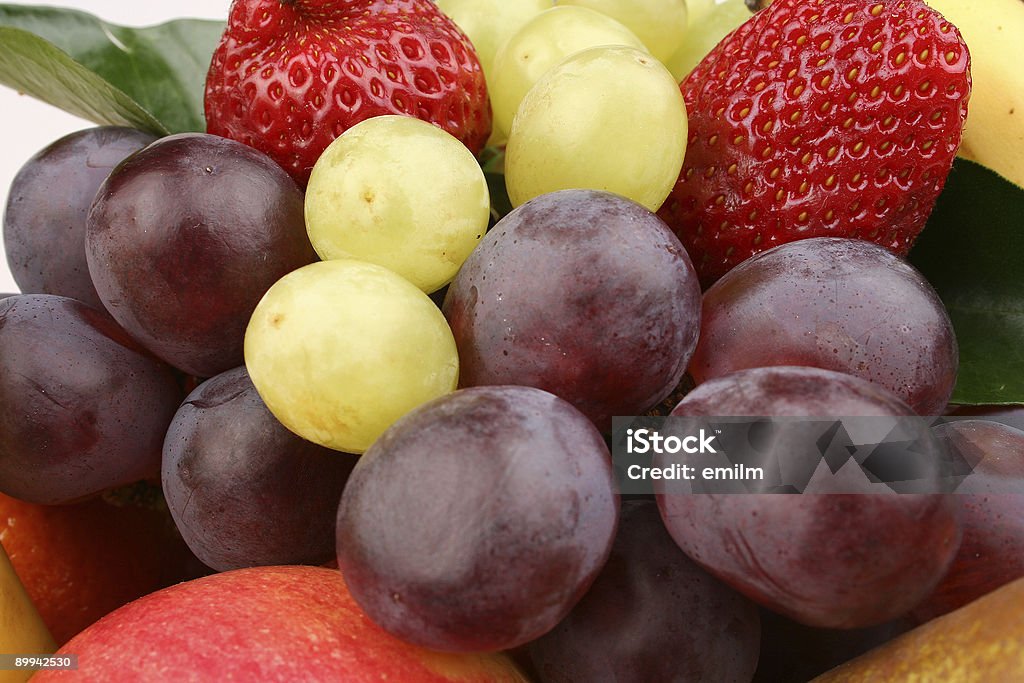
[21, 629]
[994, 33]
[981, 642]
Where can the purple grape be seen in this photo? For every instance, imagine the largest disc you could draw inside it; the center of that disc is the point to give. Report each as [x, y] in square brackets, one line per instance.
[831, 560]
[478, 520]
[183, 240]
[838, 304]
[584, 294]
[991, 502]
[83, 408]
[651, 615]
[44, 223]
[243, 490]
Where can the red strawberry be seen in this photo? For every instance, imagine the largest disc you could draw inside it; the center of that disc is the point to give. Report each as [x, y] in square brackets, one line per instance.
[819, 117]
[289, 76]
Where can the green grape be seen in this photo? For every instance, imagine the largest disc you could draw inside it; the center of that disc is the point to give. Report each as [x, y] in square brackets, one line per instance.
[401, 193]
[338, 350]
[720, 19]
[489, 23]
[696, 10]
[541, 44]
[660, 24]
[608, 118]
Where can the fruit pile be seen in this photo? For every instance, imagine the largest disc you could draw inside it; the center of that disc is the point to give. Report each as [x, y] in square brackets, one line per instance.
[337, 368]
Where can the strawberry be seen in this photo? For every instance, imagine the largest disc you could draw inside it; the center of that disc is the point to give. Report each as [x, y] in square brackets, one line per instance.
[289, 76]
[819, 118]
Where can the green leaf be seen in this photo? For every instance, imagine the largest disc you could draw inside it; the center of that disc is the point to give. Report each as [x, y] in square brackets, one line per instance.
[31, 65]
[972, 251]
[149, 77]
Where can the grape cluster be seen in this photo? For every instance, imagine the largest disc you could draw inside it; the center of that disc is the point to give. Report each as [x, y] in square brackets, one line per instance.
[273, 359]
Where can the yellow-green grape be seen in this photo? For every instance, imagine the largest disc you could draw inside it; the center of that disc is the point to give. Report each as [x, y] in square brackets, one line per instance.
[660, 24]
[723, 17]
[489, 23]
[696, 10]
[401, 193]
[608, 118]
[541, 44]
[339, 350]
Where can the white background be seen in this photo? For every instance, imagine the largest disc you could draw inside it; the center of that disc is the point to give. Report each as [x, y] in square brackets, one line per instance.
[30, 125]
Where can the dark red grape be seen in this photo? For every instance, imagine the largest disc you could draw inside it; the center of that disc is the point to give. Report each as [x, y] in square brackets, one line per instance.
[833, 560]
[838, 304]
[991, 502]
[243, 490]
[83, 408]
[44, 223]
[478, 520]
[584, 294]
[183, 240]
[651, 615]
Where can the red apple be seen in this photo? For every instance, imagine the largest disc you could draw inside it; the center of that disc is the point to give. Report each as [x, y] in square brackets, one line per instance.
[261, 624]
[79, 562]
